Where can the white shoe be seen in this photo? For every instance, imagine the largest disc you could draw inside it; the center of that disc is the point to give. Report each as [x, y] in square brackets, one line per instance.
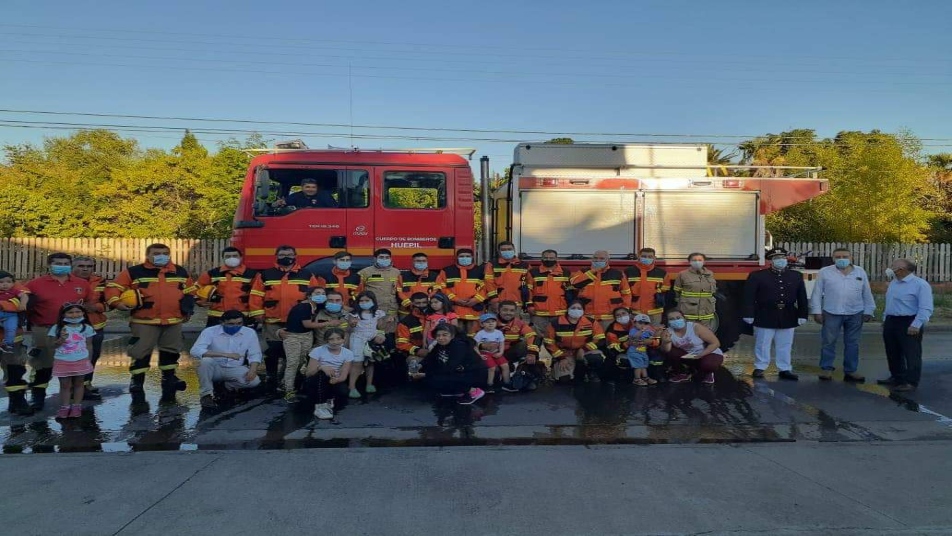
[323, 412]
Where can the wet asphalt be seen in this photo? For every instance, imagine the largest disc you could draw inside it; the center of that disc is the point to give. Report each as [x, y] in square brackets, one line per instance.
[735, 409]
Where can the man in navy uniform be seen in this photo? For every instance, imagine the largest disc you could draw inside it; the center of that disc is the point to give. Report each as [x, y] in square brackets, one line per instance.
[775, 302]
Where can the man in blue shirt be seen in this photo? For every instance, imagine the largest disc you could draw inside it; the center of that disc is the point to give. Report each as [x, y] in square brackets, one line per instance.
[908, 308]
[841, 302]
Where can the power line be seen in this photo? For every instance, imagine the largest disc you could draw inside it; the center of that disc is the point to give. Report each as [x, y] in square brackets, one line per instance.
[400, 128]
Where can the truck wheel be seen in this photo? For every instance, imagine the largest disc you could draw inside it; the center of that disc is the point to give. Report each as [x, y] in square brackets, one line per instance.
[729, 325]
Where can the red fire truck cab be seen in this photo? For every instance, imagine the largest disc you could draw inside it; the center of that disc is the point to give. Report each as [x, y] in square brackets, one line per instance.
[408, 201]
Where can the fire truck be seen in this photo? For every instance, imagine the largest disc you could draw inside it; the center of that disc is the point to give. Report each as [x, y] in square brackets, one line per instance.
[409, 201]
[578, 198]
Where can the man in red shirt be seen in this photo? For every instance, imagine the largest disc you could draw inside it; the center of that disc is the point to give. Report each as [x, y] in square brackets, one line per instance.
[48, 294]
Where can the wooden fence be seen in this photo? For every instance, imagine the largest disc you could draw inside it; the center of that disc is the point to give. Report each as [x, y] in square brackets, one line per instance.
[26, 257]
[934, 260]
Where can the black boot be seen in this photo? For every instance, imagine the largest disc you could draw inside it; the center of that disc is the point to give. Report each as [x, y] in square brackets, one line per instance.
[38, 398]
[137, 383]
[18, 405]
[171, 383]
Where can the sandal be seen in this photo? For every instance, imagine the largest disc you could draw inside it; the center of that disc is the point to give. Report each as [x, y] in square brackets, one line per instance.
[640, 382]
[651, 381]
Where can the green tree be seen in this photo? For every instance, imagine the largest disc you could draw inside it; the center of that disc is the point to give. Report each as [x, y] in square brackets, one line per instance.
[940, 170]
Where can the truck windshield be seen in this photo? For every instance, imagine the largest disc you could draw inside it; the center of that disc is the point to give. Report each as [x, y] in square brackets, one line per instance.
[319, 189]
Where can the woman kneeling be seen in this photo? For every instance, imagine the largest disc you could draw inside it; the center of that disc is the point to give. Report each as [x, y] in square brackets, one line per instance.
[690, 349]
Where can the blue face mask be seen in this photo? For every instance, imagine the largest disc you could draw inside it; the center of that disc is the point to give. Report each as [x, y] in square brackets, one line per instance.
[231, 330]
[73, 320]
[366, 305]
[60, 270]
[779, 264]
[842, 264]
[464, 261]
[384, 263]
[160, 260]
[343, 265]
[508, 255]
[598, 265]
[420, 266]
[677, 323]
[646, 260]
[319, 298]
[334, 307]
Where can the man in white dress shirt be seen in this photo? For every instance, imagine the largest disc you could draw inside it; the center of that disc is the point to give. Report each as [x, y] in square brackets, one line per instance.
[224, 349]
[842, 301]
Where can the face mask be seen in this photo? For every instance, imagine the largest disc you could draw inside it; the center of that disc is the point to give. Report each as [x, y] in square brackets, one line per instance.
[60, 270]
[343, 265]
[890, 273]
[286, 261]
[598, 265]
[366, 305]
[334, 307]
[231, 330]
[623, 319]
[549, 264]
[575, 313]
[319, 298]
[465, 261]
[508, 255]
[160, 260]
[646, 260]
[232, 262]
[420, 266]
[384, 263]
[678, 323]
[73, 320]
[697, 265]
[779, 264]
[842, 264]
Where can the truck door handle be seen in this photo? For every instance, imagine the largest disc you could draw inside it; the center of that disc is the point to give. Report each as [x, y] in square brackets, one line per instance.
[446, 242]
[338, 242]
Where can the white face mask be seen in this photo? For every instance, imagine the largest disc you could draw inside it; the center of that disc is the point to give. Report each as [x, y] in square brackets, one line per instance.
[575, 313]
[697, 265]
[623, 319]
[232, 262]
[890, 274]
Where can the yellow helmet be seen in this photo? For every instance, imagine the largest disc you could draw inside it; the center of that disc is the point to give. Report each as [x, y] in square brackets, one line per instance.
[131, 298]
[206, 293]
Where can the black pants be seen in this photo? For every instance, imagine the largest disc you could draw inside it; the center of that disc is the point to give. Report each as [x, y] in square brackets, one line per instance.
[455, 383]
[318, 389]
[903, 351]
[97, 351]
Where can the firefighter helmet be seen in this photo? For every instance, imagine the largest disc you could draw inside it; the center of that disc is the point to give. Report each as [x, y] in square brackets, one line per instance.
[131, 298]
[207, 293]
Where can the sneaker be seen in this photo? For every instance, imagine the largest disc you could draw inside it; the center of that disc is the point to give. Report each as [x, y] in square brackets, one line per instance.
[354, 394]
[826, 375]
[708, 378]
[63, 412]
[507, 387]
[208, 402]
[853, 377]
[489, 390]
[371, 389]
[788, 375]
[680, 378]
[757, 373]
[6, 348]
[473, 395]
[323, 412]
[75, 411]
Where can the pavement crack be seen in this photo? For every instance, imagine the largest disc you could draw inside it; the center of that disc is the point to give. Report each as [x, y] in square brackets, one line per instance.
[166, 496]
[824, 486]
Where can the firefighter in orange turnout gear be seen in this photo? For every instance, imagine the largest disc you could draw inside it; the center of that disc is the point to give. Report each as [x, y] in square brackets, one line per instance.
[83, 267]
[465, 286]
[648, 286]
[573, 341]
[280, 288]
[507, 279]
[601, 288]
[344, 280]
[232, 281]
[166, 301]
[548, 292]
[419, 278]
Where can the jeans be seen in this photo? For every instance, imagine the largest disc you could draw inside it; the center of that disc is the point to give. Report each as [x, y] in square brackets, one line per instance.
[852, 328]
[10, 322]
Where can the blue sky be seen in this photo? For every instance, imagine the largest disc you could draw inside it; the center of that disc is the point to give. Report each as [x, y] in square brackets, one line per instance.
[712, 69]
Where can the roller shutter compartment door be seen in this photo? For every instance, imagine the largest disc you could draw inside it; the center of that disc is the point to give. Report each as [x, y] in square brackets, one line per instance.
[722, 225]
[575, 222]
